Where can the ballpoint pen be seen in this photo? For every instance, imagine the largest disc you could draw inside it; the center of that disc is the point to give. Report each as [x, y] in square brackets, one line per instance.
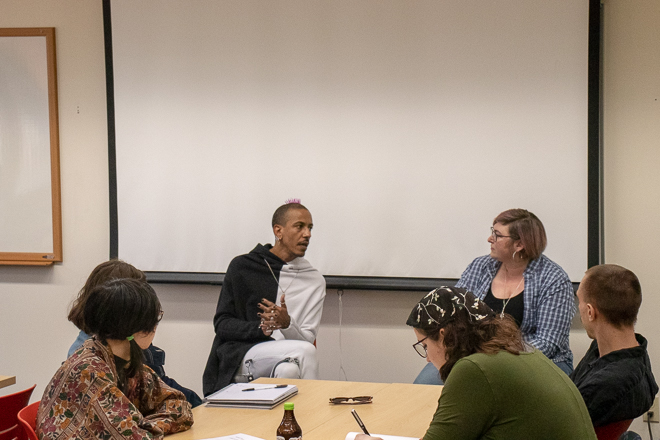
[357, 419]
[266, 388]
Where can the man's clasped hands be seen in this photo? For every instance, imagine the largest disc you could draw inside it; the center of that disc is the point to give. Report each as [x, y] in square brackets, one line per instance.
[273, 317]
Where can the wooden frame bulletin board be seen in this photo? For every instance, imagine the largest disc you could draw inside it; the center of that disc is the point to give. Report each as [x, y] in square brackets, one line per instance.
[30, 201]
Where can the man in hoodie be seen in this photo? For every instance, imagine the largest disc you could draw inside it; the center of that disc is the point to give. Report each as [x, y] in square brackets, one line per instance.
[614, 377]
[269, 308]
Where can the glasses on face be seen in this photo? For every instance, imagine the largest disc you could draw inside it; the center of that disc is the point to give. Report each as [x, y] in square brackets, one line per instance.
[359, 400]
[496, 235]
[420, 348]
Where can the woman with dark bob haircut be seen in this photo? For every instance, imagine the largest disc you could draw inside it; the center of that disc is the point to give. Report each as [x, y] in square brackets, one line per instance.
[154, 356]
[104, 390]
[516, 279]
[109, 270]
[496, 386]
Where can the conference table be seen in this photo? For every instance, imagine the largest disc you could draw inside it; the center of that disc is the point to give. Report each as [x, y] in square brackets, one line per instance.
[397, 409]
[5, 381]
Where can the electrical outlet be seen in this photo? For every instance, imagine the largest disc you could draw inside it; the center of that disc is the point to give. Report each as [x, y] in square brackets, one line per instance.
[655, 417]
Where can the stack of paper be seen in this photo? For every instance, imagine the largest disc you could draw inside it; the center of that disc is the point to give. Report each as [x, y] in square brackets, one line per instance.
[263, 396]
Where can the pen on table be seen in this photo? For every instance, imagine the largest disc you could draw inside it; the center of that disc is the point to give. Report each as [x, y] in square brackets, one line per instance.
[357, 419]
[266, 388]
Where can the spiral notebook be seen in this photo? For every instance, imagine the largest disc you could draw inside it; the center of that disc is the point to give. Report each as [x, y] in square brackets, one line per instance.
[262, 396]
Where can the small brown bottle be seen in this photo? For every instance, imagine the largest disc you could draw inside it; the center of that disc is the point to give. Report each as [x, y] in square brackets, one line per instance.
[289, 429]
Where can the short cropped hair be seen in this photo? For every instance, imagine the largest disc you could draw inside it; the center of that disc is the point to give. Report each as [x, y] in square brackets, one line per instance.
[615, 292]
[526, 227]
[110, 270]
[281, 213]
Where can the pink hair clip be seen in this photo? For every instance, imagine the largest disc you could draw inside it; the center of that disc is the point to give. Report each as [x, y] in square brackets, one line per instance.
[288, 201]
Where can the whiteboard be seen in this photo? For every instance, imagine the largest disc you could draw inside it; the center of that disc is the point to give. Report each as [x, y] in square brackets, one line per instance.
[405, 128]
[30, 219]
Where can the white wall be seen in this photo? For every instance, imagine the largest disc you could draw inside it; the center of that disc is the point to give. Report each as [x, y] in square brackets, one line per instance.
[632, 155]
[34, 332]
[375, 344]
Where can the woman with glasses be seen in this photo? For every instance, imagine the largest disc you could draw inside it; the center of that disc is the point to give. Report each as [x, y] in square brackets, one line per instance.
[516, 279]
[496, 386]
[104, 390]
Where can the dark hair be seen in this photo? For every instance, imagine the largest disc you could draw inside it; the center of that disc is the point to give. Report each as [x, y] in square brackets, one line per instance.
[280, 214]
[615, 291]
[463, 337]
[109, 270]
[119, 309]
[526, 227]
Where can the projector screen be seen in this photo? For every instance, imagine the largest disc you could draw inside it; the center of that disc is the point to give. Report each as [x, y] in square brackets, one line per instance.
[404, 126]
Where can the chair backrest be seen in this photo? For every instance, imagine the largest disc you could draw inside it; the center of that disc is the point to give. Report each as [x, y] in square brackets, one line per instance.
[612, 431]
[10, 405]
[11, 433]
[27, 418]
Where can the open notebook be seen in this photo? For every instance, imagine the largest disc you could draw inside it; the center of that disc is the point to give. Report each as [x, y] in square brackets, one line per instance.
[351, 436]
[263, 396]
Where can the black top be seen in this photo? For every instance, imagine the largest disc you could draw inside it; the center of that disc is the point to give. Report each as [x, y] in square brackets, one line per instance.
[618, 386]
[247, 281]
[514, 306]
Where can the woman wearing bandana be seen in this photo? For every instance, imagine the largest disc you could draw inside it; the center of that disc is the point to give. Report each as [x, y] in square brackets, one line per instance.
[496, 386]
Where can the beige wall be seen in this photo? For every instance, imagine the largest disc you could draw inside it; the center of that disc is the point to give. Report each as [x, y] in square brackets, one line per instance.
[631, 141]
[375, 345]
[34, 333]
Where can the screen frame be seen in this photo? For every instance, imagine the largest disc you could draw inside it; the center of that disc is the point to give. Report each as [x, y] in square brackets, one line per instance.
[594, 178]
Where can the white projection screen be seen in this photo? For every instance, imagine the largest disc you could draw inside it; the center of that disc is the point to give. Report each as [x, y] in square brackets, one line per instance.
[404, 126]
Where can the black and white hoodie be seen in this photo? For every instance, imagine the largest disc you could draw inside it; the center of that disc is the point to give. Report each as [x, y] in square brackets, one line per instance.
[247, 281]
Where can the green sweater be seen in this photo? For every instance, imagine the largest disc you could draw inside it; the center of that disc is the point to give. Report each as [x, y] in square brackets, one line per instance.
[504, 396]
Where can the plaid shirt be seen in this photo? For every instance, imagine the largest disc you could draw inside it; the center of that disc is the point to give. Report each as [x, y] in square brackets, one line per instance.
[548, 297]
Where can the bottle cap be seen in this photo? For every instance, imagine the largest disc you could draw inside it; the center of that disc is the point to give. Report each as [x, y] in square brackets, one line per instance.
[288, 406]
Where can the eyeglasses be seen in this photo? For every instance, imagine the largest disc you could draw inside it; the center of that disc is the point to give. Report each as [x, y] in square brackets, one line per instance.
[496, 235]
[359, 400]
[420, 348]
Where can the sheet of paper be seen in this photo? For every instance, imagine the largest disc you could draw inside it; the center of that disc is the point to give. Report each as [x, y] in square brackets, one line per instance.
[236, 437]
[351, 436]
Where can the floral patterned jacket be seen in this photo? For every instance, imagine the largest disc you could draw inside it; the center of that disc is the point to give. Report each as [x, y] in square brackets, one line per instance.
[83, 401]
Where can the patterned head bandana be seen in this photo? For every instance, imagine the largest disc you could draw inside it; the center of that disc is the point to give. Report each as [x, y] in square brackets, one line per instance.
[439, 307]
